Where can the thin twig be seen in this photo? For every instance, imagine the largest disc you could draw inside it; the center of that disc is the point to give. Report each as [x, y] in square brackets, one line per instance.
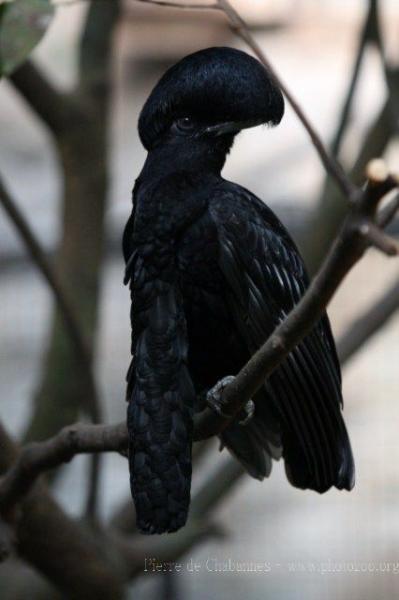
[67, 115]
[386, 214]
[369, 323]
[66, 310]
[63, 550]
[93, 91]
[167, 4]
[331, 165]
[182, 5]
[369, 33]
[37, 457]
[80, 562]
[55, 108]
[380, 240]
[72, 326]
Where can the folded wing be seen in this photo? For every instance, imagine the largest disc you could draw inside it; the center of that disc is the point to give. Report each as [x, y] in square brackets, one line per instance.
[300, 404]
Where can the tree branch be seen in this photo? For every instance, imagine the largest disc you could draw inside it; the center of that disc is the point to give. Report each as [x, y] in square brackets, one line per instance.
[391, 74]
[72, 326]
[360, 230]
[368, 34]
[81, 563]
[350, 244]
[56, 109]
[182, 5]
[37, 457]
[332, 208]
[357, 234]
[331, 165]
[64, 550]
[81, 352]
[94, 90]
[369, 323]
[82, 147]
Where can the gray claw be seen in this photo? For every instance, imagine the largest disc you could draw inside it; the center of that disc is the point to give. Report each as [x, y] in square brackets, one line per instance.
[249, 408]
[214, 400]
[214, 396]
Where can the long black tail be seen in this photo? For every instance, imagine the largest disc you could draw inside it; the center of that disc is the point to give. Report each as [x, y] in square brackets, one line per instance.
[161, 397]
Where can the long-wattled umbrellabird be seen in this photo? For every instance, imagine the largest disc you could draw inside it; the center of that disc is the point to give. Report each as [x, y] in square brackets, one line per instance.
[212, 272]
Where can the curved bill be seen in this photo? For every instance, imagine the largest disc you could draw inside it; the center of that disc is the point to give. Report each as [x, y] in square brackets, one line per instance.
[232, 126]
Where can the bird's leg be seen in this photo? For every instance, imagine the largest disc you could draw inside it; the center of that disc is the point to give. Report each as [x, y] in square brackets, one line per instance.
[214, 399]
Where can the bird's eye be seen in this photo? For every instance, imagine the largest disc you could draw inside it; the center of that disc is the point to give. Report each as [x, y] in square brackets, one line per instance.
[185, 124]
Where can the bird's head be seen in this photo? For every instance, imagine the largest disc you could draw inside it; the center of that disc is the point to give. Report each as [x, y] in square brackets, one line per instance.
[207, 98]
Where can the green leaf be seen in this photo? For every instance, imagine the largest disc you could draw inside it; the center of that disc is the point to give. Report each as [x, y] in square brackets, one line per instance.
[22, 25]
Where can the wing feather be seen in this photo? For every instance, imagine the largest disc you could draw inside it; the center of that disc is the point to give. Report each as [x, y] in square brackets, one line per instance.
[265, 279]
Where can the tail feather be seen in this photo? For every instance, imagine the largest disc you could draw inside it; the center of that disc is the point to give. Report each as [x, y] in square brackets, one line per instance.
[161, 397]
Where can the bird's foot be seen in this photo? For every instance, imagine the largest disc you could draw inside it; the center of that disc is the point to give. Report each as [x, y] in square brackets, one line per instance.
[249, 410]
[214, 399]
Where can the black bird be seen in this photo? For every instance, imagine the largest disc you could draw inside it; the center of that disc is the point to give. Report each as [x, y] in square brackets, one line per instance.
[212, 272]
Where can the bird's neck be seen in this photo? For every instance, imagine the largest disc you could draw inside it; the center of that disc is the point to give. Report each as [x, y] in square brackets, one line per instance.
[196, 156]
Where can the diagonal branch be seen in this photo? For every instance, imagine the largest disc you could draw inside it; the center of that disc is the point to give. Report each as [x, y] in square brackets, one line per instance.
[182, 5]
[37, 457]
[332, 209]
[82, 152]
[331, 165]
[67, 311]
[369, 323]
[387, 214]
[369, 34]
[62, 549]
[94, 94]
[80, 562]
[55, 108]
[350, 245]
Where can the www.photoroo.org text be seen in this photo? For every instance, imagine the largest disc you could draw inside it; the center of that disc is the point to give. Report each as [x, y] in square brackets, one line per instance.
[230, 565]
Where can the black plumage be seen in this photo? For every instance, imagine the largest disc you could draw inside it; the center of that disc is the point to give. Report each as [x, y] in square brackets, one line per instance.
[212, 271]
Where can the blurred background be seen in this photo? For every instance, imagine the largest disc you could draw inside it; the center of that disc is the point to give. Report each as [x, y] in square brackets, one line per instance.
[73, 184]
